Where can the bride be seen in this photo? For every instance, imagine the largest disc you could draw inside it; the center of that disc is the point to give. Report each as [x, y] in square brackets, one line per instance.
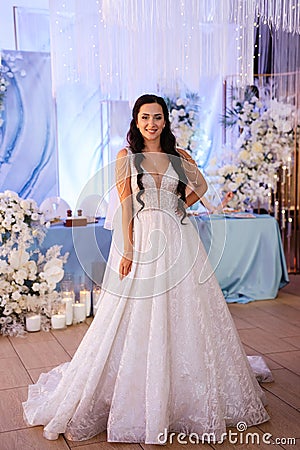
[162, 353]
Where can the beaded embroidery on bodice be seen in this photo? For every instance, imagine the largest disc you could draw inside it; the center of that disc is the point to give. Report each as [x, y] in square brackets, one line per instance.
[164, 198]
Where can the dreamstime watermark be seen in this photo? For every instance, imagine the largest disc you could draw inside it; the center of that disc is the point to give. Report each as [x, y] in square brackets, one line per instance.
[241, 436]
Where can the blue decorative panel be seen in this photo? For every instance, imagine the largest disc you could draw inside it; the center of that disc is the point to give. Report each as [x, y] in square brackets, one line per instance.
[28, 157]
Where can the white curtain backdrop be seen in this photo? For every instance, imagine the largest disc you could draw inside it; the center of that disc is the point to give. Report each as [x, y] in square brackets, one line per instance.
[133, 46]
[112, 50]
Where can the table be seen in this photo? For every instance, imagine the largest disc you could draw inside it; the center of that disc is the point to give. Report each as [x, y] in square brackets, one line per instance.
[246, 253]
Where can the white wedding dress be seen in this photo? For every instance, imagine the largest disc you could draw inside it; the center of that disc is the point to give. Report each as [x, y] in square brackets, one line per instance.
[162, 352]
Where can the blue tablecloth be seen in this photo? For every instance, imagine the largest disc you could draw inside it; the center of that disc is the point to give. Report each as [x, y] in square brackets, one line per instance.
[246, 253]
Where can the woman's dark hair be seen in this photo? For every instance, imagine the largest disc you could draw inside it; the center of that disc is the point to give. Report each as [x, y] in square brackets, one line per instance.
[168, 145]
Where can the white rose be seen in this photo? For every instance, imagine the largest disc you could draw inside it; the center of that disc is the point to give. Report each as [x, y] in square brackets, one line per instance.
[16, 228]
[54, 262]
[16, 295]
[36, 287]
[257, 147]
[25, 204]
[7, 310]
[239, 178]
[180, 102]
[53, 274]
[18, 258]
[43, 285]
[6, 224]
[244, 155]
[11, 195]
[232, 186]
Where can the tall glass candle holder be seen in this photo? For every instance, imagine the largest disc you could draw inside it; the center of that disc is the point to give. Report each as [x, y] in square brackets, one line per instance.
[86, 298]
[68, 297]
[96, 297]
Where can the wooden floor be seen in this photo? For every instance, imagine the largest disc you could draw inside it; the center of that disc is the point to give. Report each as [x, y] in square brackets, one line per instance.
[270, 328]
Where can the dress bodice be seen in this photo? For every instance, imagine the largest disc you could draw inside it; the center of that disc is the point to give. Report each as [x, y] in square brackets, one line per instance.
[164, 197]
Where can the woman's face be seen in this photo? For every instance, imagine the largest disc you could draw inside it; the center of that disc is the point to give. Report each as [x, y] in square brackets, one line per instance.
[150, 121]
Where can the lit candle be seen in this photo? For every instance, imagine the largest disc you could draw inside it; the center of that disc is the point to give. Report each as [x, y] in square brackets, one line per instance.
[78, 312]
[289, 165]
[283, 218]
[275, 184]
[68, 294]
[33, 322]
[290, 220]
[276, 210]
[269, 202]
[58, 321]
[85, 297]
[69, 310]
[283, 174]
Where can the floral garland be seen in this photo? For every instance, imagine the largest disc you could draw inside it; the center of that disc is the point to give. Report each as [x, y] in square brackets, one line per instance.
[184, 114]
[266, 132]
[28, 278]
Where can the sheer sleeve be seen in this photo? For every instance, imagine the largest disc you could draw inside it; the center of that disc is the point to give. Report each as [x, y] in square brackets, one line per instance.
[122, 173]
[123, 184]
[196, 182]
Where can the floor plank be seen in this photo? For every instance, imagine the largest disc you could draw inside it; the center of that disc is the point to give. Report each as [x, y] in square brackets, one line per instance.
[30, 439]
[284, 421]
[11, 411]
[286, 386]
[42, 354]
[265, 342]
[290, 360]
[6, 349]
[12, 373]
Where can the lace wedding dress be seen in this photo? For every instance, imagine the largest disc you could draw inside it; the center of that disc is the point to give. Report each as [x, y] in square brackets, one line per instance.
[162, 352]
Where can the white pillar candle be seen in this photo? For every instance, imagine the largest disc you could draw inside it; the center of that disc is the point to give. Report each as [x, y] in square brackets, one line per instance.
[85, 297]
[69, 310]
[58, 321]
[33, 322]
[78, 312]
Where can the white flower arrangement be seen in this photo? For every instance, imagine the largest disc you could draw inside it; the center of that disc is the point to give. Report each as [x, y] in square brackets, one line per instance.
[3, 88]
[7, 71]
[28, 278]
[265, 142]
[184, 114]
